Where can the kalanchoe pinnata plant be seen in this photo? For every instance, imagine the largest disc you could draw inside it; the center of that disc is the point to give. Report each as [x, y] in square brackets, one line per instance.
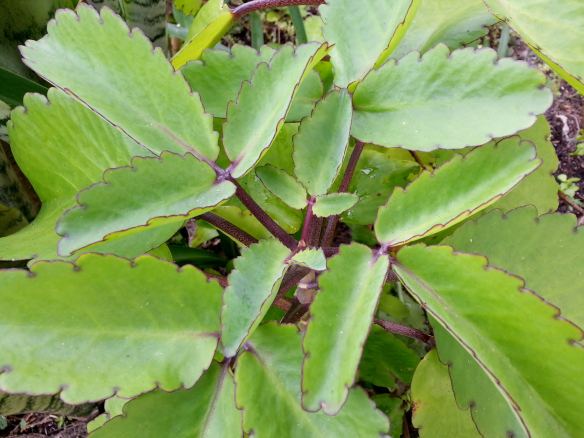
[388, 125]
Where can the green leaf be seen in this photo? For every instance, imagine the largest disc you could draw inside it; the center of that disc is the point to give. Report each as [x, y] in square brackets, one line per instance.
[267, 380]
[309, 93]
[244, 220]
[540, 188]
[118, 74]
[206, 410]
[447, 100]
[455, 191]
[363, 33]
[321, 143]
[435, 412]
[283, 185]
[210, 25]
[164, 335]
[340, 318]
[554, 30]
[456, 23]
[312, 258]
[13, 404]
[474, 390]
[113, 407]
[495, 318]
[14, 87]
[551, 244]
[62, 147]
[11, 220]
[189, 7]
[393, 407]
[254, 120]
[253, 285]
[333, 204]
[165, 189]
[387, 360]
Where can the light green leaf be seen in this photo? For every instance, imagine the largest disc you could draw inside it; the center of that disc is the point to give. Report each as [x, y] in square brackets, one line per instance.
[447, 100]
[113, 407]
[333, 204]
[435, 412]
[455, 191]
[62, 147]
[165, 189]
[495, 318]
[387, 360]
[254, 120]
[540, 188]
[310, 91]
[163, 336]
[545, 251]
[456, 23]
[312, 258]
[244, 220]
[474, 390]
[340, 318]
[206, 410]
[282, 185]
[555, 30]
[268, 389]
[253, 285]
[118, 74]
[189, 7]
[363, 33]
[13, 404]
[210, 25]
[321, 143]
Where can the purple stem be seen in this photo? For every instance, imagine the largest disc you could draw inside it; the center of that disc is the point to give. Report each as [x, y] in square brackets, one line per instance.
[307, 229]
[228, 228]
[255, 5]
[403, 330]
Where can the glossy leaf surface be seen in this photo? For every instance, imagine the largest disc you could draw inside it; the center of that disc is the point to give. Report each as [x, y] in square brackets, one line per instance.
[447, 100]
[334, 203]
[164, 335]
[253, 285]
[340, 318]
[455, 191]
[312, 258]
[283, 185]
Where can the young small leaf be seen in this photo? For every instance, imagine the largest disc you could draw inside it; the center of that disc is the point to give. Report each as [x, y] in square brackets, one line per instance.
[254, 120]
[431, 103]
[164, 335]
[267, 378]
[458, 189]
[116, 72]
[312, 258]
[321, 143]
[206, 410]
[283, 186]
[333, 204]
[340, 318]
[168, 189]
[253, 285]
[435, 411]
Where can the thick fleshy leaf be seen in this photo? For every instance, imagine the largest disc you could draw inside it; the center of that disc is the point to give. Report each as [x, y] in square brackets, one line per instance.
[219, 75]
[62, 147]
[153, 190]
[206, 410]
[456, 23]
[555, 30]
[540, 188]
[321, 143]
[334, 203]
[13, 404]
[363, 33]
[253, 285]
[340, 318]
[283, 185]
[164, 335]
[253, 121]
[455, 191]
[189, 7]
[546, 251]
[212, 22]
[474, 390]
[387, 360]
[394, 408]
[447, 100]
[113, 407]
[267, 380]
[435, 411]
[312, 258]
[495, 318]
[118, 74]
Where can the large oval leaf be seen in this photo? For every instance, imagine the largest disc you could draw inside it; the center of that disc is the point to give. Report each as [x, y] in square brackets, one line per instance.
[65, 329]
[447, 100]
[118, 74]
